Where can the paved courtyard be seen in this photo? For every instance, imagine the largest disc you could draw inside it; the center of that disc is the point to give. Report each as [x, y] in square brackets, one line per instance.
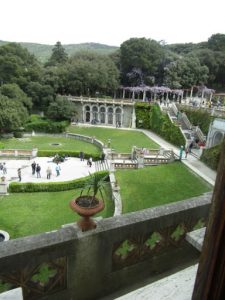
[72, 168]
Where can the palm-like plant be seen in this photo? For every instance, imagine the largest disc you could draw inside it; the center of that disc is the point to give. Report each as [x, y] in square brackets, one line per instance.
[88, 204]
[93, 185]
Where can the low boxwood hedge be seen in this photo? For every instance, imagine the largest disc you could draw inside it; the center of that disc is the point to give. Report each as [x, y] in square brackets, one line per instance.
[70, 153]
[30, 187]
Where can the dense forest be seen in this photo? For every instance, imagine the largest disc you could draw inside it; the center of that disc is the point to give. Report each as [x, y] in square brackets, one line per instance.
[27, 84]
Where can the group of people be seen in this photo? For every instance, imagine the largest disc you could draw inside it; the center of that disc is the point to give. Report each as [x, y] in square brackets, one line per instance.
[36, 168]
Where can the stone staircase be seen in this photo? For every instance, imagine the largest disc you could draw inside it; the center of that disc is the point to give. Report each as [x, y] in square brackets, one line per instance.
[190, 132]
[102, 166]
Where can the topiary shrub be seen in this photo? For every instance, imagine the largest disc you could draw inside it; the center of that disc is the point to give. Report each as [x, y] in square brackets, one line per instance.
[211, 156]
[30, 187]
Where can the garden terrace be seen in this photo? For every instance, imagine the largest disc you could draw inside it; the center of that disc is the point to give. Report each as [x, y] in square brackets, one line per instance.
[119, 252]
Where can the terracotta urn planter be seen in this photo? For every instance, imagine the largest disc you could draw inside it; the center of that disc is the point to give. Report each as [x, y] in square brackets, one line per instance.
[86, 206]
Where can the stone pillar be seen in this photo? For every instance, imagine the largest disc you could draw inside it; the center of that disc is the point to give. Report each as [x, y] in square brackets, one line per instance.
[106, 115]
[144, 95]
[133, 122]
[133, 95]
[83, 113]
[123, 93]
[191, 93]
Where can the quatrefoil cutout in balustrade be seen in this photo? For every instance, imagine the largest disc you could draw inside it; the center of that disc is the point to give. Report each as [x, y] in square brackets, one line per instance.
[178, 233]
[154, 240]
[125, 249]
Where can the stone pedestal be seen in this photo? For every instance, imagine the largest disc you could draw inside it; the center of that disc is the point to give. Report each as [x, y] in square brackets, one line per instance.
[3, 188]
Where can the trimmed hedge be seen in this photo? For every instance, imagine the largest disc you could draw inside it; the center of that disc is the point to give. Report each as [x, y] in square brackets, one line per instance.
[30, 187]
[154, 120]
[142, 111]
[211, 156]
[70, 153]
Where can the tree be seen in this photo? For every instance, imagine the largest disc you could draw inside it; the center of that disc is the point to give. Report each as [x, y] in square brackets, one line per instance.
[17, 65]
[13, 114]
[13, 91]
[61, 109]
[217, 42]
[140, 54]
[89, 72]
[185, 72]
[59, 55]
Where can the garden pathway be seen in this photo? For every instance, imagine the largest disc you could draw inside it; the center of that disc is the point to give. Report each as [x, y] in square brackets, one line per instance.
[72, 168]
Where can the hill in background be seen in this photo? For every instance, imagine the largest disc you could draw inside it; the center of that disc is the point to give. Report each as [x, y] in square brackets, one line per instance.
[43, 52]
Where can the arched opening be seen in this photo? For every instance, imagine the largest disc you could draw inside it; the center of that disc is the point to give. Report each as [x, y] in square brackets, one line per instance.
[110, 115]
[87, 114]
[95, 114]
[217, 138]
[118, 116]
[102, 115]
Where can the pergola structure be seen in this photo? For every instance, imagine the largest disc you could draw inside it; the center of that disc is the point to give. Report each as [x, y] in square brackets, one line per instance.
[154, 91]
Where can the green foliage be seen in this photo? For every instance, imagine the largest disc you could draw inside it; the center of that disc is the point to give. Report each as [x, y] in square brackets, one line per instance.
[13, 91]
[5, 286]
[59, 55]
[2, 145]
[88, 72]
[199, 117]
[186, 71]
[44, 274]
[211, 156]
[13, 114]
[16, 187]
[69, 153]
[140, 53]
[61, 109]
[153, 119]
[40, 124]
[142, 111]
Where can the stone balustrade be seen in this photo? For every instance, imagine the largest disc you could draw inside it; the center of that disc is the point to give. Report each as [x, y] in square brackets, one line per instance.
[18, 153]
[121, 251]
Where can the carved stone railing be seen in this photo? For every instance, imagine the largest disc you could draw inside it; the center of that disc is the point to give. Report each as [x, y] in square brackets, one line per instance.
[199, 133]
[18, 153]
[101, 100]
[119, 252]
[174, 108]
[186, 121]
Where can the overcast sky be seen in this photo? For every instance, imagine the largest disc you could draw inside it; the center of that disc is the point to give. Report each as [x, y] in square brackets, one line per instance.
[110, 22]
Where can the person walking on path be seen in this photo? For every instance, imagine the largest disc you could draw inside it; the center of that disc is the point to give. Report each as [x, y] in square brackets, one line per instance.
[102, 157]
[57, 169]
[19, 174]
[89, 162]
[4, 169]
[186, 152]
[38, 171]
[191, 146]
[81, 155]
[33, 166]
[49, 172]
[181, 152]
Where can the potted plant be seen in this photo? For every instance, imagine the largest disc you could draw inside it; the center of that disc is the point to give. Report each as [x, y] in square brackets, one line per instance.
[88, 205]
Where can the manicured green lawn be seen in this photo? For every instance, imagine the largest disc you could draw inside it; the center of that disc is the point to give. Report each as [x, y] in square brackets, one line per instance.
[32, 213]
[121, 140]
[45, 143]
[158, 185]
